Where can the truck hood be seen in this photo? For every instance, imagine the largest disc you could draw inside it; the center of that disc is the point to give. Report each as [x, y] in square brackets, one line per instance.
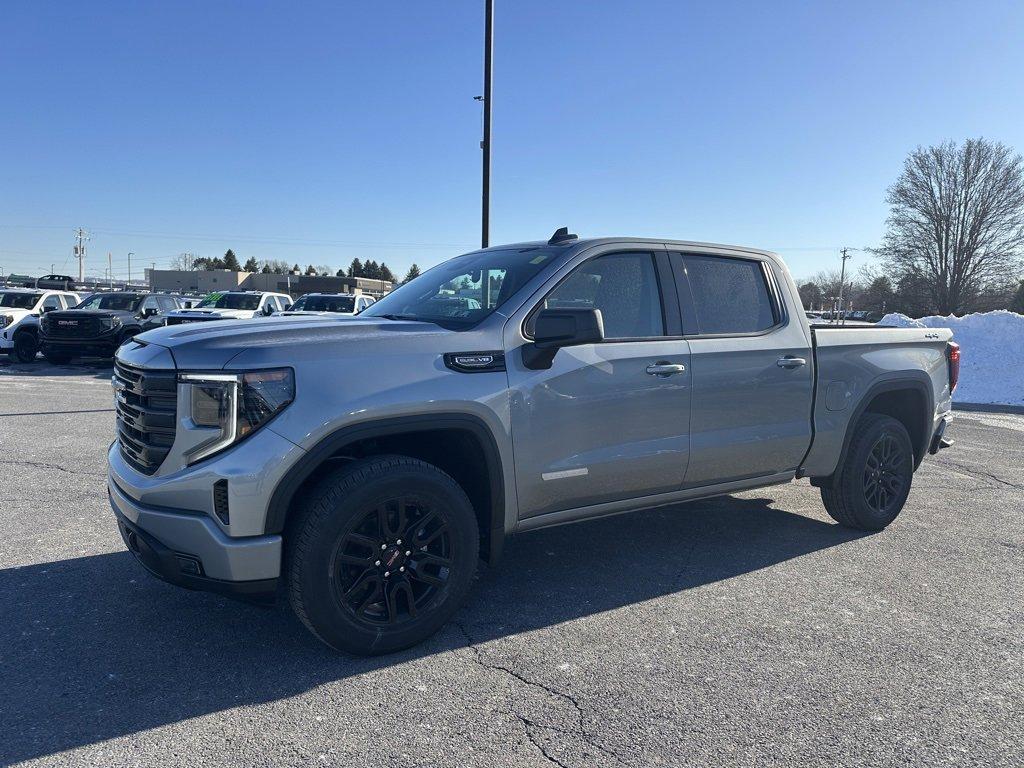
[213, 345]
[239, 314]
[311, 313]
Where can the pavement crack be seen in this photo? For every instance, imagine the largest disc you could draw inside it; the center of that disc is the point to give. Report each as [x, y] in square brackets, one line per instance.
[977, 474]
[581, 731]
[47, 465]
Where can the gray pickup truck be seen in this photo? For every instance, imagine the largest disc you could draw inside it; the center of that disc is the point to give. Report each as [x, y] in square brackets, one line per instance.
[364, 465]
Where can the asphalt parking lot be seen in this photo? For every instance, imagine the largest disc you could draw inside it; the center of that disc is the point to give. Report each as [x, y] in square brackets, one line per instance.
[748, 630]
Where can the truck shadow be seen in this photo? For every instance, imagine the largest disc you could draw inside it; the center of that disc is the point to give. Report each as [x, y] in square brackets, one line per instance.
[93, 648]
[97, 368]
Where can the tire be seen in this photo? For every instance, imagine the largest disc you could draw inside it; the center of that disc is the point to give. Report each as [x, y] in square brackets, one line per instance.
[870, 489]
[26, 345]
[57, 358]
[342, 554]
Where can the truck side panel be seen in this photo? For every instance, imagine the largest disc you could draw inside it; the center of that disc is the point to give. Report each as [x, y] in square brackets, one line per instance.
[856, 365]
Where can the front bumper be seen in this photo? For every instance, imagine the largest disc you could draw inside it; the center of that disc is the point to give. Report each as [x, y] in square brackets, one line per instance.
[189, 550]
[104, 346]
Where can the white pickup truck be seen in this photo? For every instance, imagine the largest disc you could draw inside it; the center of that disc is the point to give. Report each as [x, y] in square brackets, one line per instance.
[231, 305]
[20, 309]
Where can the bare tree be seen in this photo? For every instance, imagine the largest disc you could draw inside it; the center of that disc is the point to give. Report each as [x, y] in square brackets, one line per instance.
[828, 282]
[956, 222]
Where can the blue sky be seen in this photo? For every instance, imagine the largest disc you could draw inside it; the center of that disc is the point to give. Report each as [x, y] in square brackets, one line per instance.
[318, 132]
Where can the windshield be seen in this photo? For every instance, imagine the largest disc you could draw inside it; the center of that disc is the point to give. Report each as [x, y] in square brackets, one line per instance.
[325, 304]
[19, 300]
[461, 292]
[122, 302]
[231, 301]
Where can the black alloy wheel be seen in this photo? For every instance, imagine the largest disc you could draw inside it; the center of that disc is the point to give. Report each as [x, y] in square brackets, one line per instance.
[872, 484]
[394, 562]
[380, 553]
[883, 478]
[25, 347]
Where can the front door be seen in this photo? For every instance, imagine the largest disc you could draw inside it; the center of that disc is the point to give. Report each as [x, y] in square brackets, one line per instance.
[607, 421]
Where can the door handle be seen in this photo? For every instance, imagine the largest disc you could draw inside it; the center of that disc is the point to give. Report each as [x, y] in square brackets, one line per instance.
[665, 369]
[790, 362]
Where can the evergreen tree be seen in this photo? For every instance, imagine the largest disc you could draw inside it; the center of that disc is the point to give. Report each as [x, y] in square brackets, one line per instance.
[385, 273]
[341, 273]
[310, 270]
[1017, 302]
[231, 261]
[296, 270]
[371, 270]
[251, 265]
[266, 269]
[356, 269]
[412, 274]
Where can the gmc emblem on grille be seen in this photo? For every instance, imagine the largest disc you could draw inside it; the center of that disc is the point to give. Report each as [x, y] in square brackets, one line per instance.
[67, 322]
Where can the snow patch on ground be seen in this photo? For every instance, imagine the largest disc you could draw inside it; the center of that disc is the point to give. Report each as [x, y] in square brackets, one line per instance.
[991, 353]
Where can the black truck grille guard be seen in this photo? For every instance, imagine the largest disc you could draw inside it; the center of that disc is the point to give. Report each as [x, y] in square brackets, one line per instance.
[146, 402]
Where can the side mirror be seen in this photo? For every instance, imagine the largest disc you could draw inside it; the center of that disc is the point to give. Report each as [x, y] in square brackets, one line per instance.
[557, 328]
[286, 307]
[268, 309]
[44, 310]
[149, 312]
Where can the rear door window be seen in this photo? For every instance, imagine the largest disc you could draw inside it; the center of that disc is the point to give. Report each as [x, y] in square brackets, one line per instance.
[730, 296]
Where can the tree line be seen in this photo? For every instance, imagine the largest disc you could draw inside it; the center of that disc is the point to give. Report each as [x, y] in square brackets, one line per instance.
[369, 269]
[954, 237]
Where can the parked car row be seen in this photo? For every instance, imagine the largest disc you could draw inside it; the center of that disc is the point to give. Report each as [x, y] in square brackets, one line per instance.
[63, 326]
[855, 315]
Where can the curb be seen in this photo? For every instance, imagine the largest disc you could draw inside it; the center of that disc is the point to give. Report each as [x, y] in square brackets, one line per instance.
[988, 407]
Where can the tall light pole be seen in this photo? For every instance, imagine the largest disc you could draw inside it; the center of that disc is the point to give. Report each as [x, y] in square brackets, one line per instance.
[485, 145]
[128, 284]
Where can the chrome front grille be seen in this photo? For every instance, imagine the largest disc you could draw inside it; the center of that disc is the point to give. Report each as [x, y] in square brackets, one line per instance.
[146, 402]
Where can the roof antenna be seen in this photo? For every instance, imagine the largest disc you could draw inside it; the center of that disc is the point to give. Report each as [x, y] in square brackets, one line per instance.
[561, 236]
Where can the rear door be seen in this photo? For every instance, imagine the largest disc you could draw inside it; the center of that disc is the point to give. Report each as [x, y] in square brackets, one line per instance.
[750, 412]
[607, 421]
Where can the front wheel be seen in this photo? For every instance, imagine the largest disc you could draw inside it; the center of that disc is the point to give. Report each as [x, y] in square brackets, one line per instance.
[381, 554]
[25, 348]
[870, 489]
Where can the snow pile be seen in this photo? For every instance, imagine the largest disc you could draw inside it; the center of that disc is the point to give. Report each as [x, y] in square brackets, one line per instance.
[991, 353]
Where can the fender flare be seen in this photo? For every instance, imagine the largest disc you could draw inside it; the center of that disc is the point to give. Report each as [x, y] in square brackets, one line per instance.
[916, 380]
[303, 469]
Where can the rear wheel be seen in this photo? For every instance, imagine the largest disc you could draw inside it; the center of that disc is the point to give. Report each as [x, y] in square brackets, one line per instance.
[869, 491]
[381, 555]
[25, 348]
[57, 358]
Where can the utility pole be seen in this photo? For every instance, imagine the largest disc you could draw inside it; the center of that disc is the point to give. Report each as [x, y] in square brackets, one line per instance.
[842, 281]
[80, 237]
[485, 145]
[110, 270]
[128, 284]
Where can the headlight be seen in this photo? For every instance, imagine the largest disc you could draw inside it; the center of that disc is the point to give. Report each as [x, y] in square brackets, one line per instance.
[111, 322]
[6, 320]
[234, 405]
